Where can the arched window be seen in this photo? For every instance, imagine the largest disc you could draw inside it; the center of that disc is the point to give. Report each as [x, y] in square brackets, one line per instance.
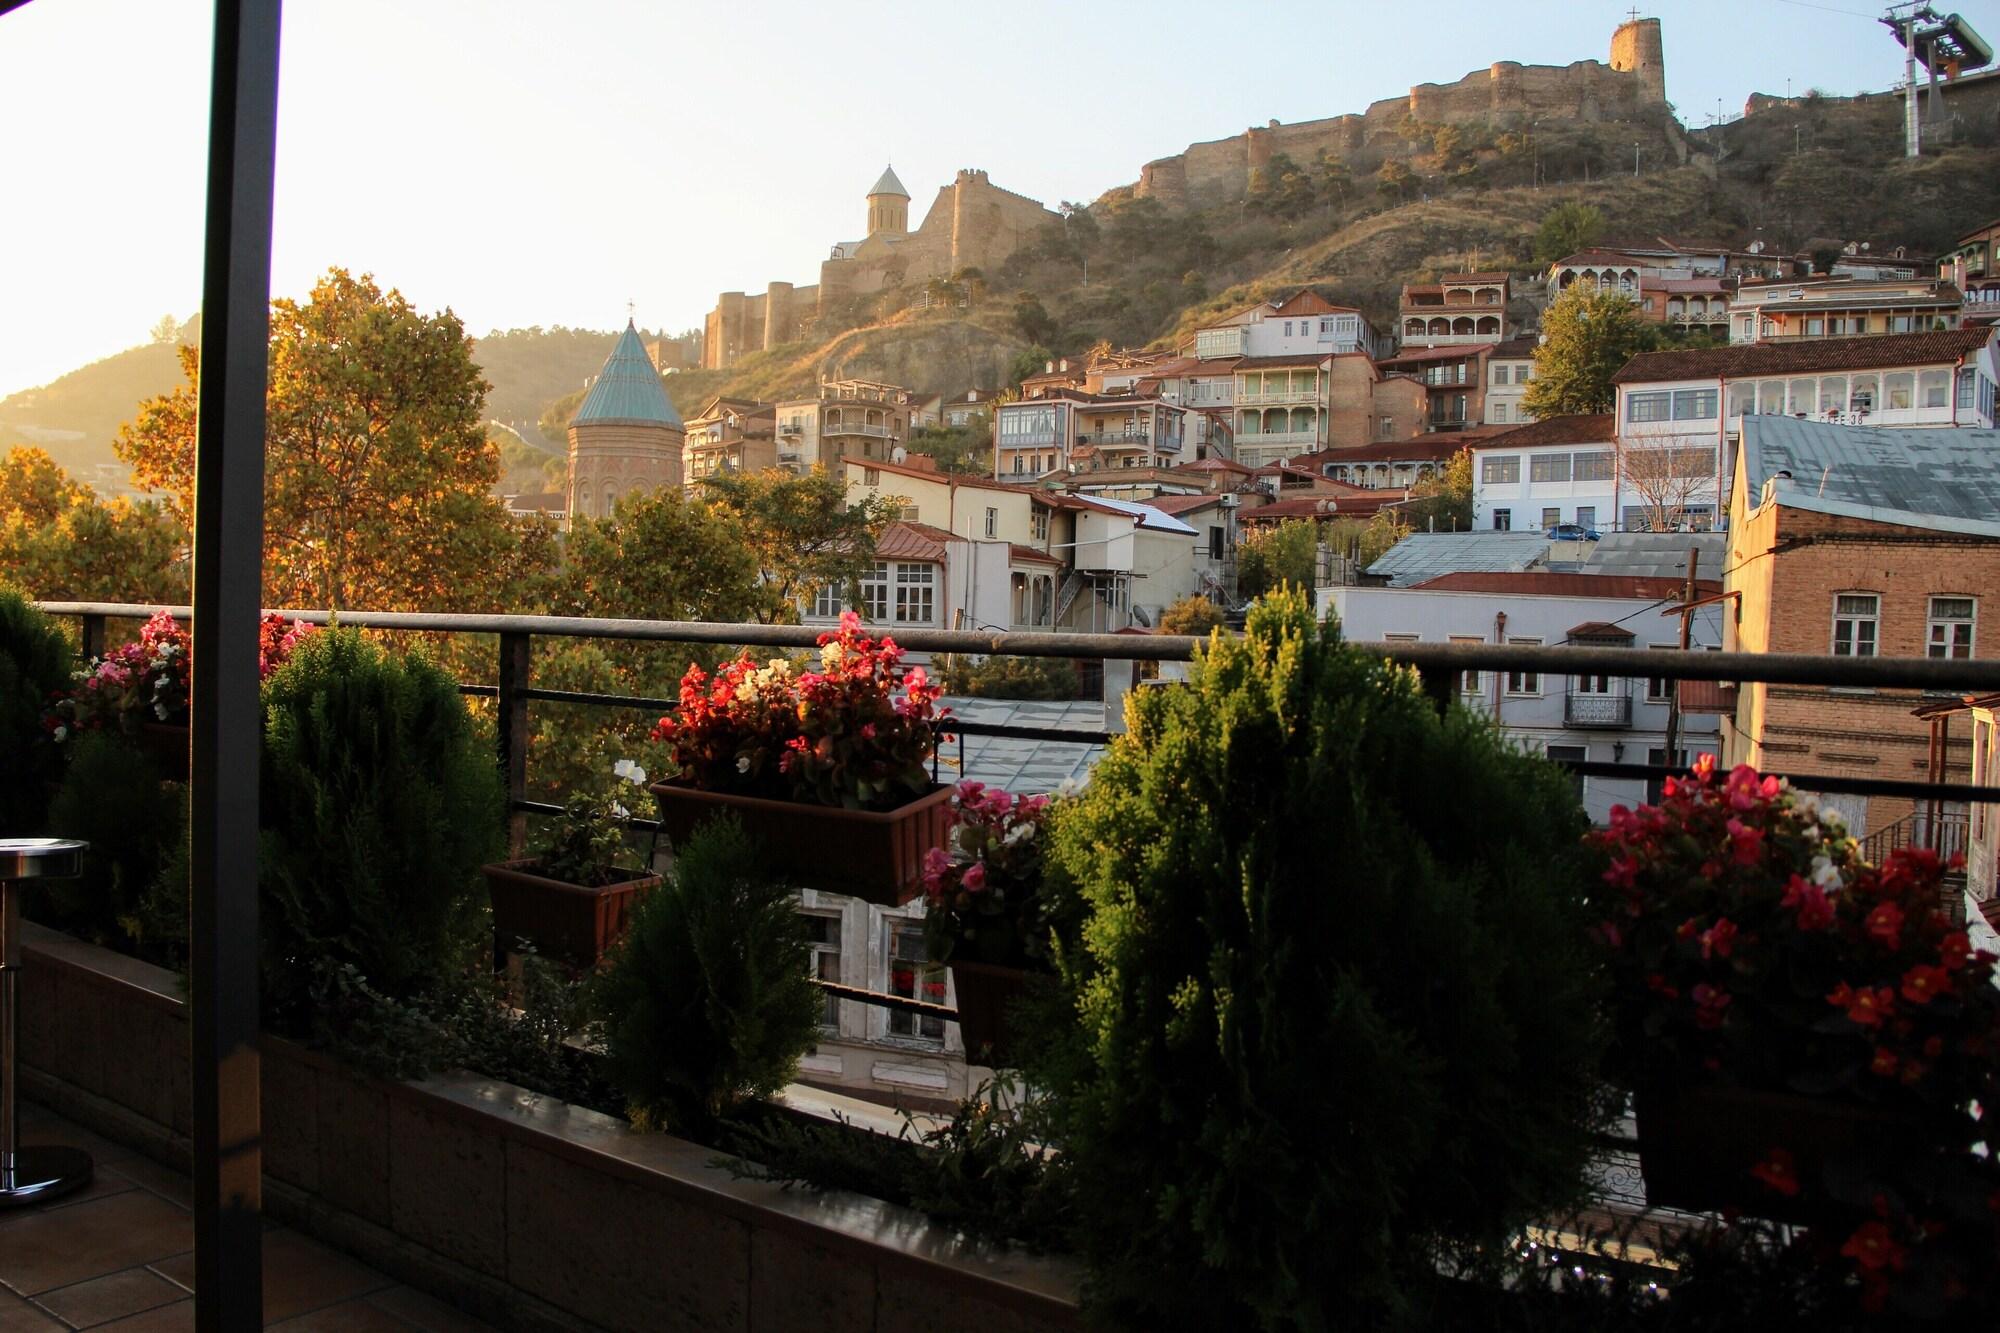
[1489, 296]
[1489, 324]
[1413, 328]
[1676, 307]
[1440, 327]
[610, 499]
[1461, 325]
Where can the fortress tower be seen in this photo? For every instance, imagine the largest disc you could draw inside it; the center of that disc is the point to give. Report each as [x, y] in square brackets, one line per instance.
[626, 437]
[1635, 48]
[888, 206]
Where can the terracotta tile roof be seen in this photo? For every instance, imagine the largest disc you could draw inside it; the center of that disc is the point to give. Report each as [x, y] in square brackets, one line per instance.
[1183, 504]
[1460, 351]
[1216, 465]
[1551, 583]
[1593, 428]
[1274, 362]
[912, 541]
[1521, 346]
[1598, 629]
[931, 474]
[1698, 286]
[1812, 354]
[1419, 449]
[1309, 302]
[1031, 555]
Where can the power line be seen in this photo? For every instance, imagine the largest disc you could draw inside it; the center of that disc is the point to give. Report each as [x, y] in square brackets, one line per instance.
[1826, 9]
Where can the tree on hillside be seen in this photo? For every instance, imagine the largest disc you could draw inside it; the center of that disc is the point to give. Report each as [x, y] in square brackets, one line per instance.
[1394, 180]
[1281, 188]
[59, 541]
[1334, 178]
[1567, 228]
[1032, 319]
[167, 330]
[1443, 502]
[379, 476]
[803, 532]
[660, 555]
[967, 449]
[1587, 337]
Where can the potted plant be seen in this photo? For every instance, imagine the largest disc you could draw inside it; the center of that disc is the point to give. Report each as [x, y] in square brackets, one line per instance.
[827, 765]
[572, 899]
[983, 911]
[1804, 1033]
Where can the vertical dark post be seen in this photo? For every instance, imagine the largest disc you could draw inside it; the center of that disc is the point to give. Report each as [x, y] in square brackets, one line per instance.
[516, 657]
[1437, 684]
[228, 576]
[1687, 641]
[93, 635]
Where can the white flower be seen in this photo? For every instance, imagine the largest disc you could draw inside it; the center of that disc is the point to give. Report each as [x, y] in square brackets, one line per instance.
[630, 772]
[1825, 874]
[1068, 787]
[742, 763]
[620, 811]
[62, 734]
[1019, 833]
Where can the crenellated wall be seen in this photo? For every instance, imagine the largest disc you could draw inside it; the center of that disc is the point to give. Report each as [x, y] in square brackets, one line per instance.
[1632, 86]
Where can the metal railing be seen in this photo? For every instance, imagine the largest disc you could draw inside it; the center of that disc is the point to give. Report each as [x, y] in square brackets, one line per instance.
[1597, 710]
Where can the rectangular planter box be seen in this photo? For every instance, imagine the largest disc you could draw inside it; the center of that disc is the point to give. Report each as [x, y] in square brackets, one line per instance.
[562, 920]
[523, 1210]
[874, 855]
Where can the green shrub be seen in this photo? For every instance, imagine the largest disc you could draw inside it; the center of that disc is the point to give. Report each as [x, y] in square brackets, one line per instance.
[1009, 677]
[380, 803]
[1335, 1030]
[36, 662]
[113, 798]
[706, 1003]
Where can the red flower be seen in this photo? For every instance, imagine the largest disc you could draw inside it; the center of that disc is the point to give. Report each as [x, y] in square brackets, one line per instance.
[1885, 1062]
[1719, 939]
[1814, 908]
[1922, 982]
[1885, 923]
[1864, 1006]
[1710, 1004]
[1778, 1172]
[1746, 844]
[1873, 1248]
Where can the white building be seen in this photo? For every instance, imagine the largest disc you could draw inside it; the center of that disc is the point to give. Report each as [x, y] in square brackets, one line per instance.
[1305, 323]
[1508, 371]
[1841, 307]
[1601, 718]
[1562, 470]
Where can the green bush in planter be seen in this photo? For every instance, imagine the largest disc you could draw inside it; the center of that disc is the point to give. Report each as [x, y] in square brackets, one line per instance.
[36, 662]
[113, 797]
[1334, 1011]
[706, 1003]
[380, 803]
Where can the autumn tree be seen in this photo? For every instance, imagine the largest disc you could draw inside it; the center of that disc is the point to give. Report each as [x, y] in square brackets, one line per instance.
[1567, 228]
[59, 542]
[1193, 614]
[803, 531]
[1394, 180]
[1442, 502]
[1587, 337]
[378, 473]
[1276, 556]
[1665, 474]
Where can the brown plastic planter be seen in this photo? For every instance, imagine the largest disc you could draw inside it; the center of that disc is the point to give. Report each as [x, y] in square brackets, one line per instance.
[561, 920]
[874, 855]
[984, 991]
[1698, 1143]
[166, 744]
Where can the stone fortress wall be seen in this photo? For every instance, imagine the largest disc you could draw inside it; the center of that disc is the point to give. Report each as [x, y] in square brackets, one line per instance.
[1632, 86]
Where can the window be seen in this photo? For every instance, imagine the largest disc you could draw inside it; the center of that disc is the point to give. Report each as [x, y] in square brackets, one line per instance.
[1694, 404]
[1861, 397]
[1503, 520]
[1215, 535]
[1525, 682]
[1586, 516]
[875, 592]
[1967, 380]
[1950, 633]
[1570, 754]
[1593, 684]
[1696, 462]
[1934, 388]
[1499, 412]
[1017, 464]
[1742, 399]
[1548, 467]
[1500, 471]
[1856, 624]
[1039, 523]
[1594, 466]
[992, 522]
[871, 476]
[1550, 517]
[914, 977]
[915, 585]
[1468, 680]
[1900, 387]
[1656, 406]
[1815, 326]
[823, 960]
[826, 602]
[1658, 688]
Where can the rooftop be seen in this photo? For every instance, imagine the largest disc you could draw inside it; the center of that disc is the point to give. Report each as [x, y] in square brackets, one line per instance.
[1947, 480]
[1812, 354]
[628, 391]
[1563, 583]
[1426, 555]
[1593, 428]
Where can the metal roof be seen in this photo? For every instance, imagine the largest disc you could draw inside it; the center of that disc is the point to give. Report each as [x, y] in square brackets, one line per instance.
[1658, 554]
[1428, 555]
[628, 389]
[889, 184]
[1946, 479]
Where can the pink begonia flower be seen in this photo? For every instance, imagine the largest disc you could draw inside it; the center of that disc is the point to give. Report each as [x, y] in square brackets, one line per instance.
[974, 878]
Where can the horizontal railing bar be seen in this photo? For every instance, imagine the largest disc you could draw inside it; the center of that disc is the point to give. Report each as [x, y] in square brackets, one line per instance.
[1834, 786]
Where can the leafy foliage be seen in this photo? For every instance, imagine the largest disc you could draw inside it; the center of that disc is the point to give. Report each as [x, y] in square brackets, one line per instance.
[802, 532]
[36, 663]
[1570, 226]
[1276, 557]
[1587, 337]
[1319, 1039]
[1443, 502]
[1193, 614]
[380, 803]
[112, 797]
[999, 677]
[60, 542]
[706, 1003]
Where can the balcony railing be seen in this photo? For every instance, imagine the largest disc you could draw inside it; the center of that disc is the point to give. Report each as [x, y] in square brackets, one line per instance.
[1114, 439]
[857, 428]
[1597, 710]
[1309, 394]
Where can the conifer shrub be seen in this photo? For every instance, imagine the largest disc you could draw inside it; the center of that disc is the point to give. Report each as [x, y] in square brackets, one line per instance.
[706, 1003]
[112, 796]
[36, 664]
[1334, 1010]
[380, 803]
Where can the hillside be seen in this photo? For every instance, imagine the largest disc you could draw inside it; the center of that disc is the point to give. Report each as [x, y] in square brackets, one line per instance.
[529, 367]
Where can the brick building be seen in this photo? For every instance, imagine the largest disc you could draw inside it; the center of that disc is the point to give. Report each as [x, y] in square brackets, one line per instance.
[1861, 542]
[626, 436]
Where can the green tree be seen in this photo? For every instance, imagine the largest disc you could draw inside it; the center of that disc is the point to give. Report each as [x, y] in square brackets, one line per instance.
[1442, 502]
[1032, 319]
[803, 532]
[1394, 180]
[379, 475]
[1191, 615]
[60, 542]
[1587, 337]
[1282, 188]
[1568, 227]
[661, 555]
[1287, 555]
[1335, 179]
[966, 450]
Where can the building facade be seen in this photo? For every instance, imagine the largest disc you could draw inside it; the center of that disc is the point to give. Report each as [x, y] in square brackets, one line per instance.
[1833, 307]
[842, 419]
[1459, 308]
[1562, 470]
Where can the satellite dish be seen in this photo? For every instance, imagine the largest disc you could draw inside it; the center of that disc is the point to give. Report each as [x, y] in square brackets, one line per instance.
[899, 455]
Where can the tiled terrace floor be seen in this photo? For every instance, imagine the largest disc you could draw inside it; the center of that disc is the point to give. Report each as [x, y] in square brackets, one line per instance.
[118, 1255]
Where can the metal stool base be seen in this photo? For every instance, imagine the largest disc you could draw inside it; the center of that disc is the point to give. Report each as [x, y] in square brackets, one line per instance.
[41, 1174]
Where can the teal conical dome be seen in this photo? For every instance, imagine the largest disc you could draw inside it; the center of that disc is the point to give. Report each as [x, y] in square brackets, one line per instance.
[628, 389]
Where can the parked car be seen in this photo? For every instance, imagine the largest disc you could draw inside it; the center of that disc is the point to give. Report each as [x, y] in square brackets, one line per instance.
[1571, 532]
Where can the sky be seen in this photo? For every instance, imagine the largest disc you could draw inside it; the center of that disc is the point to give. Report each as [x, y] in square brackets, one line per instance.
[545, 163]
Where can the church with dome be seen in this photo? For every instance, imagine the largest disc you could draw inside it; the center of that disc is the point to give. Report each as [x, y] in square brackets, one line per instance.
[971, 224]
[626, 436]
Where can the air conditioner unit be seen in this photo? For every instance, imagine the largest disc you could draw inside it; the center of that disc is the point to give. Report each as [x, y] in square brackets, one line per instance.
[1231, 500]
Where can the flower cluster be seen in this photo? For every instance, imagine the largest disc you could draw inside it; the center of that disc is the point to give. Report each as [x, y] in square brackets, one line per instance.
[587, 840]
[982, 893]
[147, 680]
[1749, 944]
[855, 730]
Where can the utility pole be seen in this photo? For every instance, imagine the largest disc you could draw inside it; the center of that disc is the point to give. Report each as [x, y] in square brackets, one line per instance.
[1635, 159]
[1687, 636]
